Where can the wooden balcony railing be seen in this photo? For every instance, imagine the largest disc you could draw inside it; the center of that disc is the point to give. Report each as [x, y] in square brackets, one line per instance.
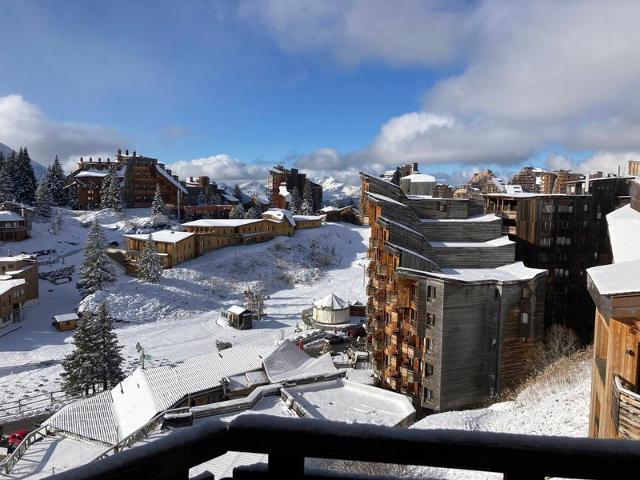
[626, 410]
[382, 269]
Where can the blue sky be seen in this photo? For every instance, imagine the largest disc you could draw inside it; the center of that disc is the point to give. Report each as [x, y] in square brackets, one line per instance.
[331, 86]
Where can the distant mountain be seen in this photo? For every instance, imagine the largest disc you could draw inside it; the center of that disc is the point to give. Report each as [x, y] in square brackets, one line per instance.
[39, 169]
[254, 187]
[338, 193]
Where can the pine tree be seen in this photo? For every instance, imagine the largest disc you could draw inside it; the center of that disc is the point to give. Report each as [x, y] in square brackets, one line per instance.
[188, 212]
[79, 367]
[237, 212]
[57, 181]
[237, 192]
[56, 223]
[97, 270]
[253, 212]
[7, 177]
[108, 358]
[44, 198]
[157, 206]
[215, 199]
[307, 199]
[201, 200]
[73, 196]
[110, 196]
[295, 204]
[149, 265]
[24, 178]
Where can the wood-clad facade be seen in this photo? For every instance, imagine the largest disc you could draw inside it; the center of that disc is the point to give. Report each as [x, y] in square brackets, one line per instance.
[172, 251]
[452, 318]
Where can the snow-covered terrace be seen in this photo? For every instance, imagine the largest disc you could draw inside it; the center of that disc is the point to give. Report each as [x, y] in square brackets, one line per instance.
[163, 236]
[496, 242]
[512, 272]
[231, 222]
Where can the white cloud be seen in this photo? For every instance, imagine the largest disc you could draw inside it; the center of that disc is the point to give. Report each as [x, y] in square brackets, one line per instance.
[530, 75]
[23, 124]
[219, 167]
[607, 162]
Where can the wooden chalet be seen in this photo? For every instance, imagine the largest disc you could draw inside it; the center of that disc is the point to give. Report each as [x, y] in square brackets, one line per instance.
[66, 321]
[308, 221]
[173, 247]
[240, 318]
[22, 267]
[615, 289]
[212, 234]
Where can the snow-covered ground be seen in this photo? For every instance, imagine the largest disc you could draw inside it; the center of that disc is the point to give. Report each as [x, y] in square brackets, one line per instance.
[178, 317]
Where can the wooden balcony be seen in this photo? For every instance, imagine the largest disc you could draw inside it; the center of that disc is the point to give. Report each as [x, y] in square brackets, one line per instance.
[626, 410]
[394, 339]
[382, 269]
[374, 243]
[376, 283]
[390, 350]
[377, 344]
[391, 328]
[379, 303]
[405, 348]
[371, 290]
[413, 352]
[392, 297]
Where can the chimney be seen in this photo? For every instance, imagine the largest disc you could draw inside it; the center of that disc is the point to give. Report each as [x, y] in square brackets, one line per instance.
[91, 159]
[134, 153]
[108, 160]
[81, 160]
[126, 152]
[99, 159]
[119, 151]
[415, 167]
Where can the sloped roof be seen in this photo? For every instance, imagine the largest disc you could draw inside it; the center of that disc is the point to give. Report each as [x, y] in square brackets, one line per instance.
[617, 278]
[9, 216]
[280, 214]
[237, 309]
[624, 232]
[282, 190]
[171, 180]
[289, 362]
[221, 222]
[419, 177]
[331, 302]
[164, 236]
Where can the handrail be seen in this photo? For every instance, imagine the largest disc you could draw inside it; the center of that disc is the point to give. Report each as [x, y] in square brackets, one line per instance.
[60, 401]
[8, 463]
[289, 441]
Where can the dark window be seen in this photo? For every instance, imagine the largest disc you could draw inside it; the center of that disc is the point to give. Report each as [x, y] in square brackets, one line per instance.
[428, 394]
[431, 319]
[428, 369]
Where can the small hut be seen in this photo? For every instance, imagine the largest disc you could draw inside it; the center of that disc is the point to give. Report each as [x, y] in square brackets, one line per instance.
[240, 317]
[67, 321]
[331, 310]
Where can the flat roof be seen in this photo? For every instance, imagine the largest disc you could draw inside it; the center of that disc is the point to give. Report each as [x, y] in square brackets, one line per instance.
[617, 278]
[222, 222]
[66, 317]
[496, 242]
[9, 216]
[516, 271]
[163, 236]
[6, 285]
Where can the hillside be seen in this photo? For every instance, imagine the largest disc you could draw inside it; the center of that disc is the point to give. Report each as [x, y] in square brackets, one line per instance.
[38, 168]
[338, 193]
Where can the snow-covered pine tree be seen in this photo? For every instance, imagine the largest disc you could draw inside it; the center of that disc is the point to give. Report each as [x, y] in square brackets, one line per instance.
[73, 196]
[24, 178]
[97, 270]
[307, 199]
[108, 357]
[149, 264]
[7, 183]
[253, 212]
[44, 199]
[201, 199]
[56, 223]
[57, 180]
[237, 192]
[105, 191]
[79, 367]
[215, 199]
[237, 212]
[157, 206]
[188, 213]
[295, 204]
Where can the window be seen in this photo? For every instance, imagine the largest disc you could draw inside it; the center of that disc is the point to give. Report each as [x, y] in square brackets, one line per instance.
[525, 292]
[431, 319]
[525, 318]
[428, 344]
[428, 394]
[428, 369]
[431, 292]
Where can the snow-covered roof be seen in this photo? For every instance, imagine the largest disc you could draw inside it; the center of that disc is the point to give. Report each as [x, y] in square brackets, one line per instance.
[280, 214]
[512, 272]
[617, 278]
[496, 242]
[6, 285]
[9, 216]
[282, 190]
[331, 302]
[330, 208]
[100, 173]
[289, 362]
[171, 180]
[382, 198]
[308, 217]
[346, 401]
[237, 310]
[263, 199]
[511, 189]
[420, 177]
[163, 236]
[66, 317]
[230, 198]
[624, 232]
[16, 258]
[222, 222]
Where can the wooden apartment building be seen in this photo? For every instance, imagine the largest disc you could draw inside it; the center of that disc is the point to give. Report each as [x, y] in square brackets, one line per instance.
[283, 181]
[615, 289]
[453, 319]
[138, 176]
[18, 285]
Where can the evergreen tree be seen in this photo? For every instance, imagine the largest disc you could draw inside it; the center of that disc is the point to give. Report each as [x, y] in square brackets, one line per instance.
[97, 270]
[307, 199]
[215, 199]
[237, 211]
[110, 191]
[157, 206]
[201, 199]
[73, 196]
[237, 192]
[295, 204]
[44, 198]
[149, 265]
[108, 358]
[24, 178]
[79, 367]
[188, 213]
[253, 212]
[56, 223]
[57, 181]
[7, 177]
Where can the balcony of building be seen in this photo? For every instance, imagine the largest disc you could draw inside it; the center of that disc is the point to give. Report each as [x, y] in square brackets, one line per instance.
[371, 290]
[382, 269]
[289, 443]
[626, 410]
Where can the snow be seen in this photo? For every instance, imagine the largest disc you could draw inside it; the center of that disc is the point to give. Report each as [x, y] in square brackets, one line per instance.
[331, 302]
[489, 217]
[624, 231]
[513, 271]
[175, 183]
[163, 236]
[236, 309]
[279, 214]
[206, 222]
[334, 191]
[6, 285]
[307, 217]
[496, 242]
[420, 178]
[65, 317]
[283, 192]
[9, 216]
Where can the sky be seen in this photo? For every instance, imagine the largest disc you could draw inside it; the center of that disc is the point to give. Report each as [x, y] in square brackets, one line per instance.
[229, 88]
